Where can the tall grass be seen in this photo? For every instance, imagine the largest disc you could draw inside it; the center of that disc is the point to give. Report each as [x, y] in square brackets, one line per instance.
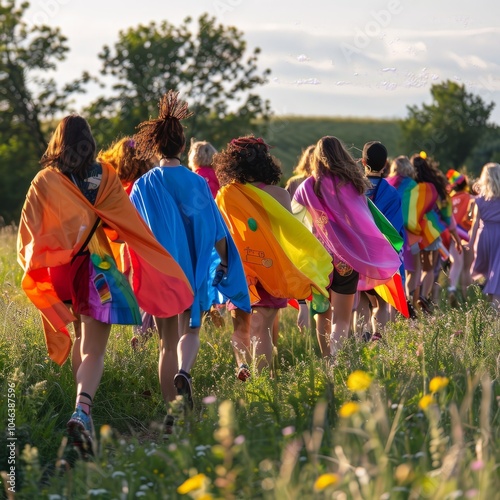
[309, 432]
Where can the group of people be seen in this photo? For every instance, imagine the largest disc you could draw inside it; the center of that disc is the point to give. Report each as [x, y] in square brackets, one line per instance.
[114, 236]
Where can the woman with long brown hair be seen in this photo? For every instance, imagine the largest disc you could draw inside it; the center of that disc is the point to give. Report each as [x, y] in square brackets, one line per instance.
[61, 219]
[334, 201]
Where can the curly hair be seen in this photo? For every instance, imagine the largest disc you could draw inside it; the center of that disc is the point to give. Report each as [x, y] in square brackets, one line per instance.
[121, 156]
[71, 148]
[164, 136]
[246, 159]
[428, 172]
[332, 158]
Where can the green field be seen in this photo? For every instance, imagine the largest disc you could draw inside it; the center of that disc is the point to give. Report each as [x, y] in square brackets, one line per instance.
[378, 423]
[290, 135]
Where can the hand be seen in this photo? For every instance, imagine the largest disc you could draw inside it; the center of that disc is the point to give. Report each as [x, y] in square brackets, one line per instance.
[220, 274]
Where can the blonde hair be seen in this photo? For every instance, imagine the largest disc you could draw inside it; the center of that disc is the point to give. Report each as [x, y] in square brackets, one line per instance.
[121, 156]
[488, 185]
[402, 166]
[303, 167]
[331, 157]
[200, 154]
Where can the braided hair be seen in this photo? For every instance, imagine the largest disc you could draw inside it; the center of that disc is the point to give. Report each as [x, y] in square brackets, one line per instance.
[163, 136]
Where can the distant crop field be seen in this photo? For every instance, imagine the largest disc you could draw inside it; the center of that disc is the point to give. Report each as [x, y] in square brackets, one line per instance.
[290, 135]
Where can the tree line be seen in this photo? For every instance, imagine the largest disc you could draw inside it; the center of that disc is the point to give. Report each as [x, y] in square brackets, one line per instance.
[212, 67]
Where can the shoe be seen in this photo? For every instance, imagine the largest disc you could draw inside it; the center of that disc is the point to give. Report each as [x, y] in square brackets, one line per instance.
[80, 431]
[425, 305]
[243, 372]
[182, 382]
[376, 337]
[168, 425]
[452, 298]
[366, 336]
[411, 310]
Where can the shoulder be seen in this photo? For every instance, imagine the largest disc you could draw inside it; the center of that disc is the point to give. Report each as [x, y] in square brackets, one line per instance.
[280, 194]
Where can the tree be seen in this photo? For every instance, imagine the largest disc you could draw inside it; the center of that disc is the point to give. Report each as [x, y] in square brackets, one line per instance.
[449, 127]
[209, 69]
[27, 99]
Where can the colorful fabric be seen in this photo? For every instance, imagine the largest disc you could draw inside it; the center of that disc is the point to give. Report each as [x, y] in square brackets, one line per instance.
[393, 293]
[109, 297]
[276, 249]
[454, 177]
[178, 207]
[387, 199]
[208, 174]
[461, 203]
[55, 221]
[487, 243]
[344, 224]
[423, 218]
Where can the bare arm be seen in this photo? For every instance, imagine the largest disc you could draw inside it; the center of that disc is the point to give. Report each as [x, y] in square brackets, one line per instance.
[475, 226]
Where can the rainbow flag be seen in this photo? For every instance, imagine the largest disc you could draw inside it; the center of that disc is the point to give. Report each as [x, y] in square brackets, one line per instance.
[393, 291]
[276, 249]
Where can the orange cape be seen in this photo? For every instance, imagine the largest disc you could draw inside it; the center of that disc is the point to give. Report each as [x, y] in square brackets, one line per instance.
[276, 249]
[55, 221]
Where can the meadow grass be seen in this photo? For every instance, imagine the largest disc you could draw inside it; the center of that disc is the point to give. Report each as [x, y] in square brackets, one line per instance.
[364, 427]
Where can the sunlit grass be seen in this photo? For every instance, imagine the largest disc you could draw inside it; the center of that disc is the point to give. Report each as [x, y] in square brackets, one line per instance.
[414, 416]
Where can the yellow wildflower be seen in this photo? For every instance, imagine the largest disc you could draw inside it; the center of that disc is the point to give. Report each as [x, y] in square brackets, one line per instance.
[106, 431]
[359, 381]
[425, 401]
[191, 484]
[348, 409]
[206, 496]
[325, 480]
[438, 384]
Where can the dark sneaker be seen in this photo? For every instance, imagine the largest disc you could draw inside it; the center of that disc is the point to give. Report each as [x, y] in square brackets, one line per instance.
[168, 425]
[453, 300]
[80, 431]
[182, 382]
[425, 305]
[243, 372]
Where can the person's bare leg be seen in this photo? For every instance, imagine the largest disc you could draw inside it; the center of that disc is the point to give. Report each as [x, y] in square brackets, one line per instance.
[76, 356]
[240, 339]
[276, 328]
[380, 315]
[261, 327]
[361, 316]
[189, 343]
[324, 330]
[342, 311]
[413, 280]
[94, 338]
[428, 263]
[167, 360]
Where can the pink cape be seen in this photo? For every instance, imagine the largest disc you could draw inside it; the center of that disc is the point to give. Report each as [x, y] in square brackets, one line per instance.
[344, 224]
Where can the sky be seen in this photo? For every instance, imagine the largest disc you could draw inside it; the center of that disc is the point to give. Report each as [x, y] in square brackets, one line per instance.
[358, 58]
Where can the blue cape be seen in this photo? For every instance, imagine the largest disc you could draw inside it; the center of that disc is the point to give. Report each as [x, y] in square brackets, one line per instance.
[179, 208]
